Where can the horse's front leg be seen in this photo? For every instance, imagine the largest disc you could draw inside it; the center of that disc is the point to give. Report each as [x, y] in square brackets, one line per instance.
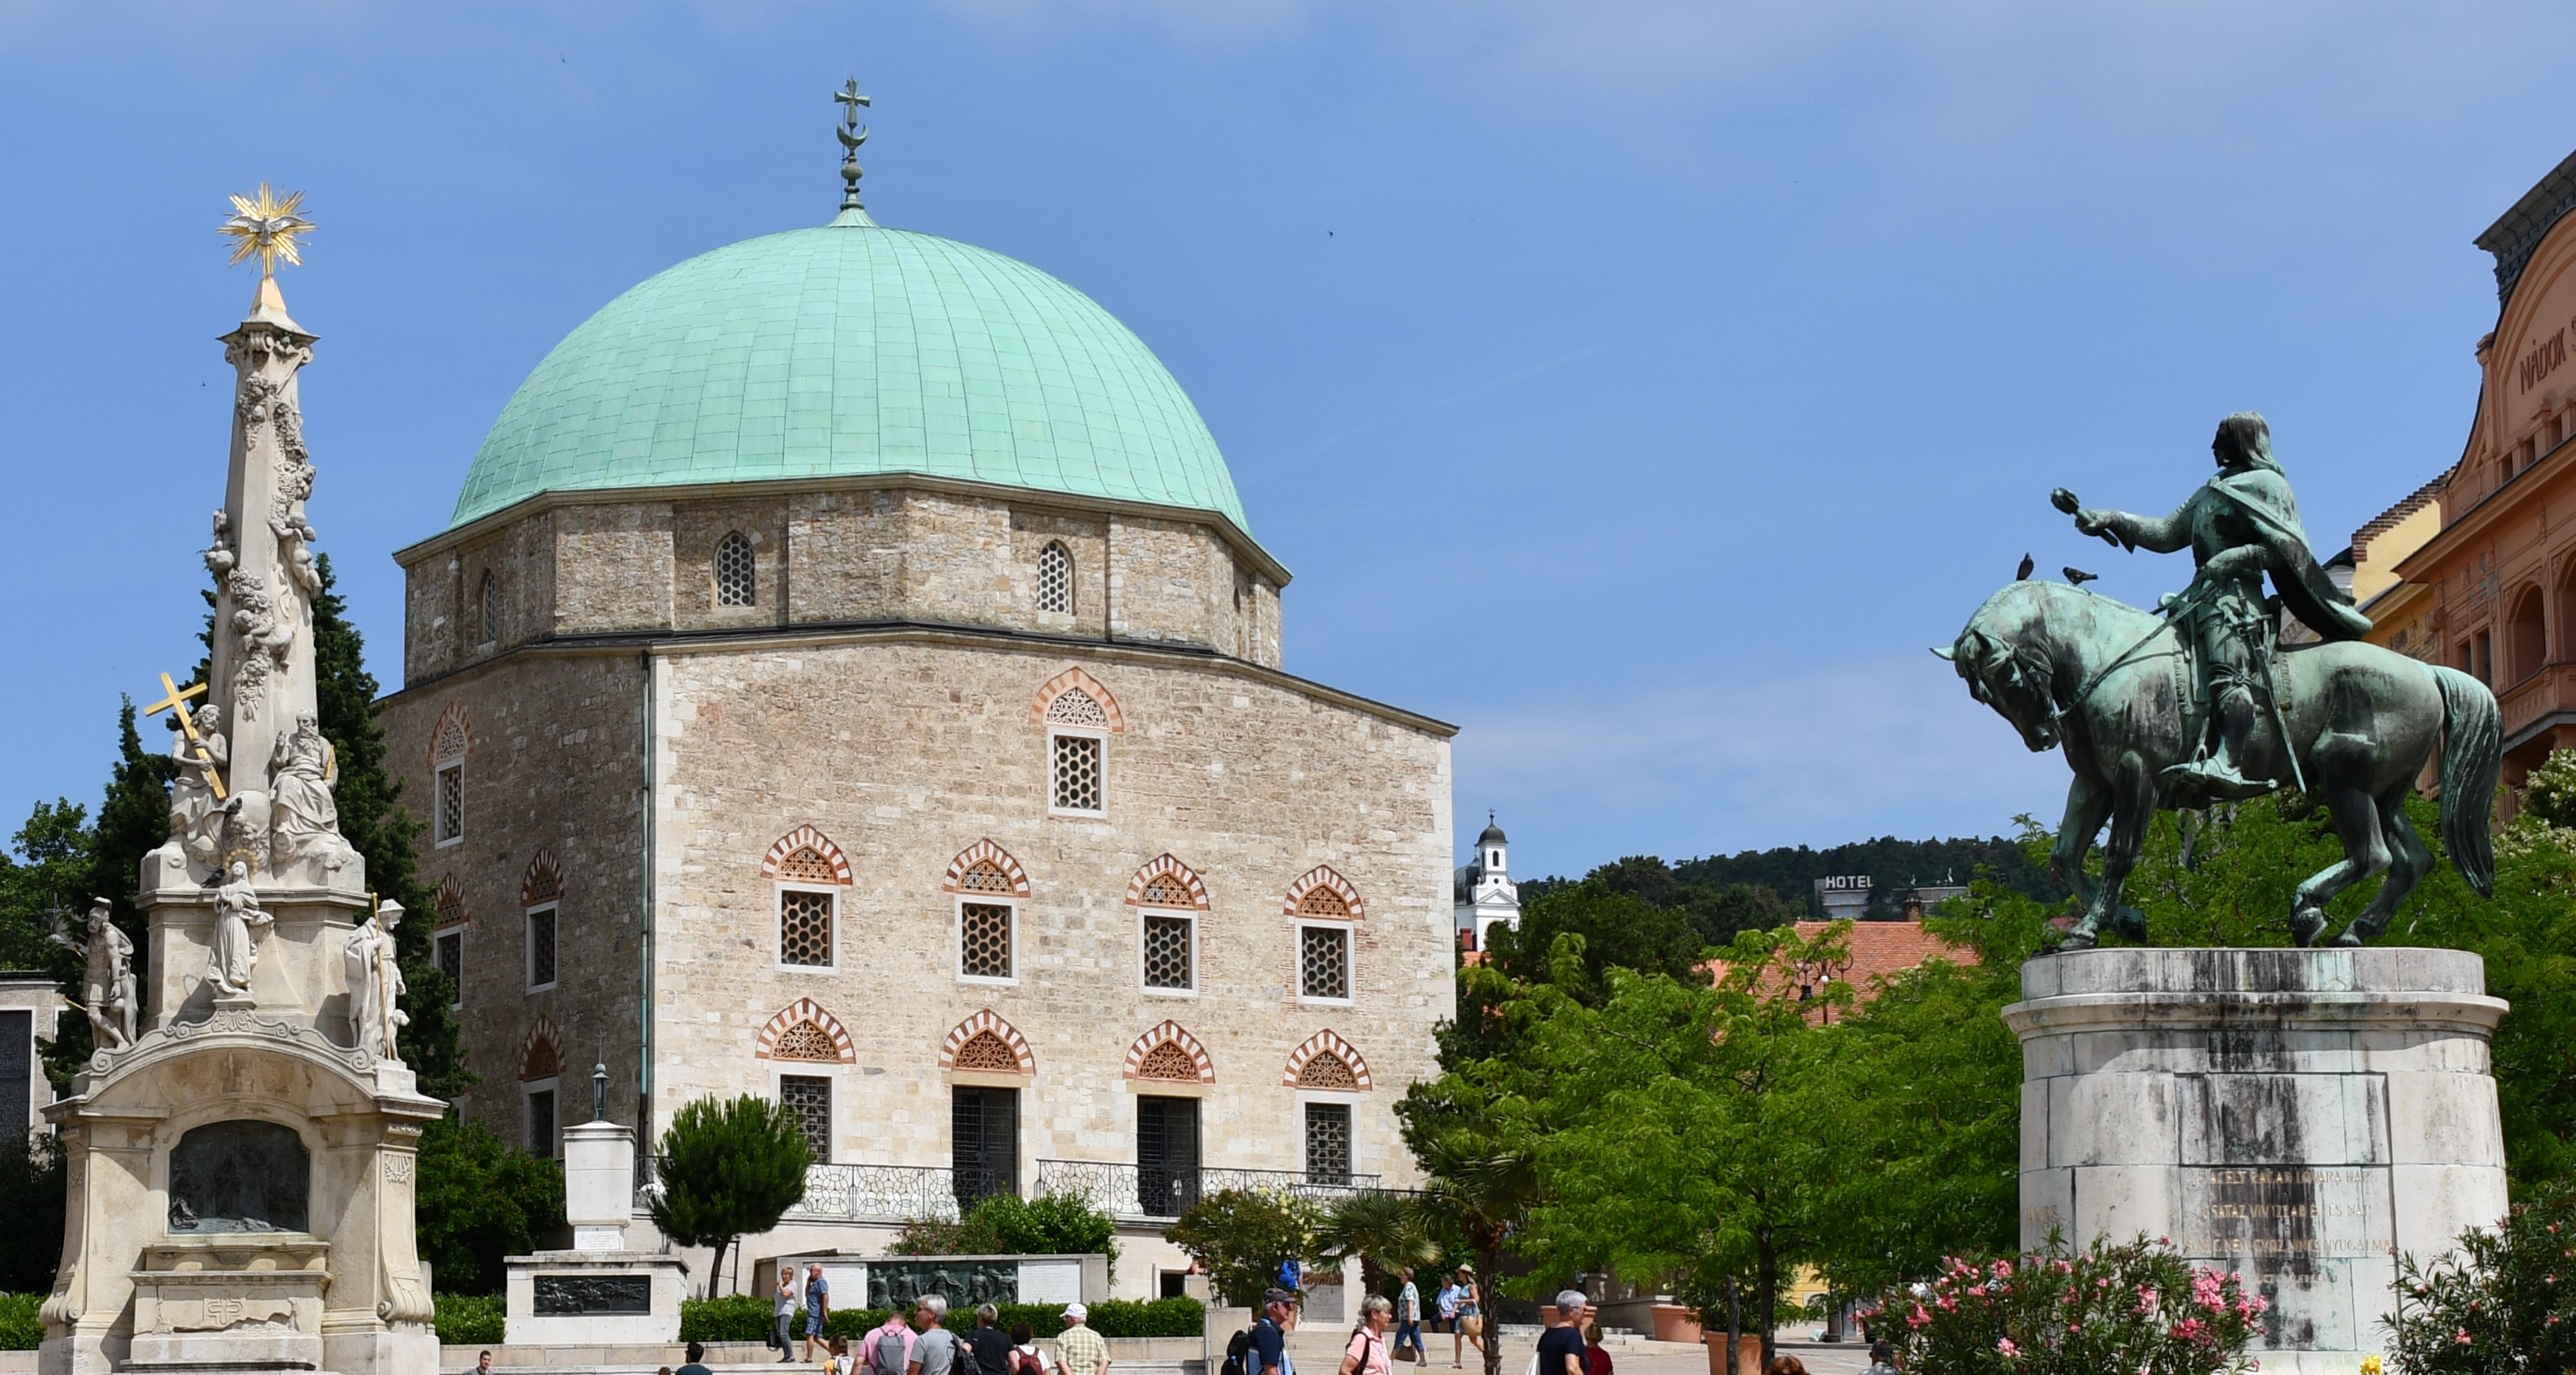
[2088, 805]
[2132, 794]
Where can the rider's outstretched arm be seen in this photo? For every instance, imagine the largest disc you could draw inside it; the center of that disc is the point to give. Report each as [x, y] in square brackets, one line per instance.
[2157, 535]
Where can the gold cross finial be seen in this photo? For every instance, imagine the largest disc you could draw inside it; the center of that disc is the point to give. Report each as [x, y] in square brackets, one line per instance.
[264, 225]
[176, 703]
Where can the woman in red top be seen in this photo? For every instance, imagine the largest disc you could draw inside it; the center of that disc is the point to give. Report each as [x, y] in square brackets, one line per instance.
[1595, 1360]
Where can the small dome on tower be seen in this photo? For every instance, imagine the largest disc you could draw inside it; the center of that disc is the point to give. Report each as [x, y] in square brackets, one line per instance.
[1493, 834]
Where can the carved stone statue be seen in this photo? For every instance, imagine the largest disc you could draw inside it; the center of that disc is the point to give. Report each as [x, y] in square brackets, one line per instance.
[238, 924]
[304, 820]
[196, 818]
[375, 982]
[107, 990]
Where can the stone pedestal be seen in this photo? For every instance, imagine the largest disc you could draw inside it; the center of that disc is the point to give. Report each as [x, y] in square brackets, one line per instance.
[599, 1184]
[593, 1298]
[2293, 1115]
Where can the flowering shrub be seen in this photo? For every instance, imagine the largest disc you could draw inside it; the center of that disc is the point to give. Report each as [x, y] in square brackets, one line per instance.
[2108, 1311]
[2501, 1302]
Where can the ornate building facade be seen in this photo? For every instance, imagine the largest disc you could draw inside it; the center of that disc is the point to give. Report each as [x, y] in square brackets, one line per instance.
[848, 677]
[2491, 587]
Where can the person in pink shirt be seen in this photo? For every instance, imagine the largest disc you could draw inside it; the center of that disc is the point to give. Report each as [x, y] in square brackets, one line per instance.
[887, 1349]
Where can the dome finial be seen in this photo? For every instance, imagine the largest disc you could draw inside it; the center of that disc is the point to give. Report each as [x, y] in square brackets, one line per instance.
[852, 134]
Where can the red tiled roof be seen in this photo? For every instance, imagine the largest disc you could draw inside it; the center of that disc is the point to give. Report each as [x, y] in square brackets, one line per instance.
[1887, 947]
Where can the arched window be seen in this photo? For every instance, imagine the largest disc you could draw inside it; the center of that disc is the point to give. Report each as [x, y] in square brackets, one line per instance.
[491, 608]
[1055, 578]
[2528, 636]
[734, 569]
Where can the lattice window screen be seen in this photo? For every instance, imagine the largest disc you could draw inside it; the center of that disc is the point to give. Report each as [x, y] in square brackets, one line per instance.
[1167, 952]
[810, 1098]
[984, 1050]
[1328, 1143]
[1325, 1070]
[1075, 707]
[491, 609]
[541, 947]
[984, 876]
[1055, 579]
[808, 865]
[451, 959]
[804, 928]
[734, 571]
[1077, 772]
[1168, 1061]
[984, 941]
[451, 803]
[805, 1041]
[1322, 902]
[1324, 962]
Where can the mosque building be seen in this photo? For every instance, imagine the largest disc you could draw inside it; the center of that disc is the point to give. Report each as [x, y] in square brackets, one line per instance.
[849, 676]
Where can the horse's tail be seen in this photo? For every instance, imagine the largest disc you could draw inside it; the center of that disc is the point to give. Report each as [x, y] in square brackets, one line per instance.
[2472, 754]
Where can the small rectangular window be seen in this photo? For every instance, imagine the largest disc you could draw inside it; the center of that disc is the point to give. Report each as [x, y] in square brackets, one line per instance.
[541, 948]
[1324, 962]
[804, 927]
[1169, 958]
[451, 803]
[1328, 1143]
[1077, 774]
[541, 1123]
[809, 1098]
[984, 940]
[451, 962]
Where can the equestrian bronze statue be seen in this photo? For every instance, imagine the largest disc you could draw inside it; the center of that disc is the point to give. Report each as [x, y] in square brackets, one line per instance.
[2197, 702]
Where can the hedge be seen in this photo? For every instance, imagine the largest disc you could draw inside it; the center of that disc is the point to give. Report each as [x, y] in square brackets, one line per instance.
[468, 1319]
[20, 1329]
[746, 1318]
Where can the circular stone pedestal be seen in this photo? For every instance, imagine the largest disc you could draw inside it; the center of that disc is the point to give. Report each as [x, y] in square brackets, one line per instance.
[2293, 1115]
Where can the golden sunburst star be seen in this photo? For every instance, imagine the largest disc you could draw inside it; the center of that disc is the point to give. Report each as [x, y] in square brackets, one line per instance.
[268, 226]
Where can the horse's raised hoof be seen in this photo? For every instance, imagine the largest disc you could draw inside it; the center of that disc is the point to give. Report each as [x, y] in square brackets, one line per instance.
[2306, 924]
[2349, 938]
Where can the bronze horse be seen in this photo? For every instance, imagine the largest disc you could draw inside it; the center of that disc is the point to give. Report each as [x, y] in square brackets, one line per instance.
[2113, 685]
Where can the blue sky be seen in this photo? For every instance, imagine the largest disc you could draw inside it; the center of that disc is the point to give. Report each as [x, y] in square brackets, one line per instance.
[1640, 385]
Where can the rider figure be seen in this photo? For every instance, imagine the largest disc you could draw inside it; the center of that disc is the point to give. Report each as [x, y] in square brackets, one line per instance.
[2240, 524]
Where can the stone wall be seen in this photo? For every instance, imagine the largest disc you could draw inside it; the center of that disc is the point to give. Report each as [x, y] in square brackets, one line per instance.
[555, 767]
[904, 749]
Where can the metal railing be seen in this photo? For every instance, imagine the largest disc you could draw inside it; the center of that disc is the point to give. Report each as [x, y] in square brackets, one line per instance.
[855, 1193]
[1140, 1191]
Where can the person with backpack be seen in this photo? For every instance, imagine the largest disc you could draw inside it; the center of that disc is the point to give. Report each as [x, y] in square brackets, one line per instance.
[887, 1349]
[1265, 1346]
[936, 1349]
[1366, 1353]
[1027, 1357]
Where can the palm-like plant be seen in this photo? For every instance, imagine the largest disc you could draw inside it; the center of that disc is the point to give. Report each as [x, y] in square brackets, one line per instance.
[1484, 1194]
[1386, 1231]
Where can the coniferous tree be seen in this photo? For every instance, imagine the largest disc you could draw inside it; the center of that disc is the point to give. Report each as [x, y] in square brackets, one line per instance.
[375, 824]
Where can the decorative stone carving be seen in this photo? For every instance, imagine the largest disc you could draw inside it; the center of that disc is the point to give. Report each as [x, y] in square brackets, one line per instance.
[304, 820]
[376, 984]
[107, 990]
[263, 639]
[196, 818]
[238, 924]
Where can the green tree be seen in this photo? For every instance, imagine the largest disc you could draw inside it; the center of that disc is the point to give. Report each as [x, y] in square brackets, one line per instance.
[729, 1167]
[1705, 1131]
[480, 1199]
[1618, 929]
[374, 823]
[1009, 1225]
[1385, 1231]
[1239, 1236]
[2498, 1303]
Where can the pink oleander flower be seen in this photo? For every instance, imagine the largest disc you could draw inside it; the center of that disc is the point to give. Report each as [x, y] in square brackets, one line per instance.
[2462, 1336]
[1976, 1291]
[2006, 1346]
[2003, 1269]
[1918, 1318]
[1948, 1304]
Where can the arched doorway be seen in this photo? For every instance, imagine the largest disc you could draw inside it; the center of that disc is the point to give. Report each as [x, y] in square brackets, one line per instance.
[2526, 637]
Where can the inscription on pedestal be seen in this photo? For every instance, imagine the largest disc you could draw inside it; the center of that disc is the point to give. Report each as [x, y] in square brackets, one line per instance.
[582, 1296]
[2286, 1215]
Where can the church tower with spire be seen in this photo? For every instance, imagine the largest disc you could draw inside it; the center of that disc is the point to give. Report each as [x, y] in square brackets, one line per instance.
[1486, 895]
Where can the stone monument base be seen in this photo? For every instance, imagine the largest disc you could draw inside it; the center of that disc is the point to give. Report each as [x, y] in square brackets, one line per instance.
[593, 1298]
[2292, 1115]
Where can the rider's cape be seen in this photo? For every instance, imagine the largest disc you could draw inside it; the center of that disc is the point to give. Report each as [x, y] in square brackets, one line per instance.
[2263, 495]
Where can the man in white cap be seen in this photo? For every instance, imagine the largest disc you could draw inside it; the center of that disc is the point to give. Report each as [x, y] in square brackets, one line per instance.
[1080, 1350]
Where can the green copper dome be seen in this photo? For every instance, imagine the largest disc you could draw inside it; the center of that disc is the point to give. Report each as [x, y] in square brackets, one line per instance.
[847, 350]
